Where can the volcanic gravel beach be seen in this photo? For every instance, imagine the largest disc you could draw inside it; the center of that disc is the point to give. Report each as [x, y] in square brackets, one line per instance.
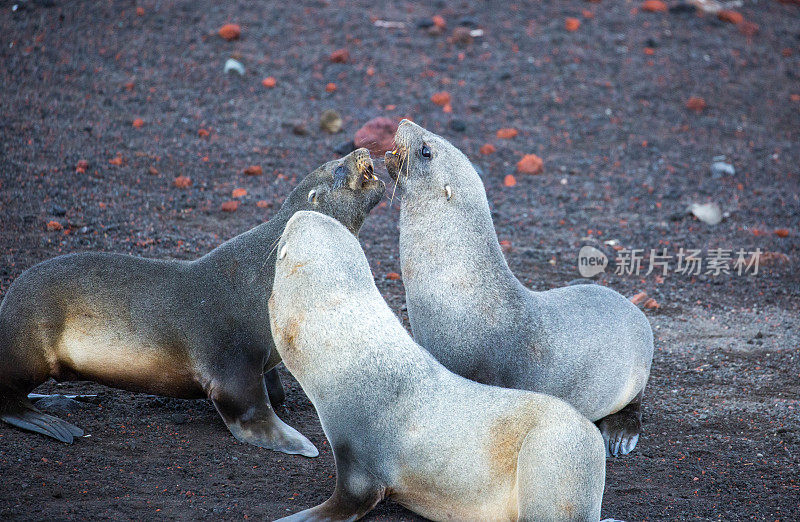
[120, 132]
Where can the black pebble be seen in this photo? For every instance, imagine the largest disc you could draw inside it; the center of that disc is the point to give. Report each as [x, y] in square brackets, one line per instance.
[345, 147]
[468, 21]
[458, 125]
[424, 23]
[178, 418]
[58, 210]
[682, 8]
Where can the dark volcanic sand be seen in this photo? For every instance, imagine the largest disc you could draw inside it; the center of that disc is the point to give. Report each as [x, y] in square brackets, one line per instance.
[623, 159]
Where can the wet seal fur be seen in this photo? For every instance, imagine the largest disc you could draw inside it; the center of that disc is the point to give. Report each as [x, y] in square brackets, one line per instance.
[585, 344]
[400, 424]
[182, 329]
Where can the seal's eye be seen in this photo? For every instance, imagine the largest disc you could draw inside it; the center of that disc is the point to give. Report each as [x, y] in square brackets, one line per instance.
[425, 151]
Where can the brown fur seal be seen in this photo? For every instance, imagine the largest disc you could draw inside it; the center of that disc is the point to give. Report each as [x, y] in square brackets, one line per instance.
[400, 424]
[585, 344]
[181, 329]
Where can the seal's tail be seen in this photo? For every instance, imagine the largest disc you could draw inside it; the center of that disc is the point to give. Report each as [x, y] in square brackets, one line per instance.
[19, 412]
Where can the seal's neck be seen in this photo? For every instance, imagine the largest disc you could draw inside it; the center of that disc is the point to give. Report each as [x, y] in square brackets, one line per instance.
[452, 246]
[250, 253]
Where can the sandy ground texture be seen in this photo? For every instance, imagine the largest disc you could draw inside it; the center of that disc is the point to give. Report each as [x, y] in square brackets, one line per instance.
[104, 104]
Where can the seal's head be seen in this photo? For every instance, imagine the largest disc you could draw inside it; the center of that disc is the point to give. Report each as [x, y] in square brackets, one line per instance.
[346, 189]
[424, 163]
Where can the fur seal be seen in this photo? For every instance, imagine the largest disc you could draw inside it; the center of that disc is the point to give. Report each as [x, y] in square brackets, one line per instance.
[400, 424]
[585, 344]
[175, 328]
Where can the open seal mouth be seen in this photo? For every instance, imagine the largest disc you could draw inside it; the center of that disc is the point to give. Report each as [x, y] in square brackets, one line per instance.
[394, 160]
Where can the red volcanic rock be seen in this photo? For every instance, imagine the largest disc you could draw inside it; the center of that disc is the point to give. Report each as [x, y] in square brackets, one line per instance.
[487, 148]
[182, 182]
[654, 6]
[572, 24]
[230, 32]
[340, 56]
[441, 98]
[377, 135]
[53, 226]
[732, 17]
[509, 180]
[394, 276]
[229, 206]
[507, 134]
[696, 104]
[253, 170]
[530, 164]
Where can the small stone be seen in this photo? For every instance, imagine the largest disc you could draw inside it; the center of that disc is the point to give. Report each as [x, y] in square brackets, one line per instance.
[239, 193]
[58, 210]
[344, 148]
[530, 164]
[229, 206]
[468, 21]
[262, 203]
[230, 32]
[708, 213]
[424, 23]
[234, 66]
[377, 135]
[54, 226]
[461, 36]
[720, 169]
[330, 121]
[178, 418]
[654, 6]
[182, 182]
[572, 24]
[340, 56]
[441, 98]
[253, 170]
[682, 8]
[458, 125]
[152, 170]
[330, 87]
[394, 276]
[269, 82]
[439, 22]
[505, 75]
[487, 148]
[732, 17]
[509, 180]
[507, 134]
[138, 123]
[696, 104]
[299, 129]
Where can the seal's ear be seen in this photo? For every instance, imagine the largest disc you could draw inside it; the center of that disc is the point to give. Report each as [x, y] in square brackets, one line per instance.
[448, 192]
[339, 177]
[312, 196]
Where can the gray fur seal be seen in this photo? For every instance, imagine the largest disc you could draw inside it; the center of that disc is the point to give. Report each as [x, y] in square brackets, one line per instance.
[175, 328]
[585, 344]
[400, 424]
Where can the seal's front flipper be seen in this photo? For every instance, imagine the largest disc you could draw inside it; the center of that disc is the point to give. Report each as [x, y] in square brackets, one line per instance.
[621, 430]
[24, 416]
[354, 497]
[251, 419]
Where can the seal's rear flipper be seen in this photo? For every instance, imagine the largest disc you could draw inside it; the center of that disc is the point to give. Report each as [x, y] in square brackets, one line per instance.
[621, 430]
[26, 417]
